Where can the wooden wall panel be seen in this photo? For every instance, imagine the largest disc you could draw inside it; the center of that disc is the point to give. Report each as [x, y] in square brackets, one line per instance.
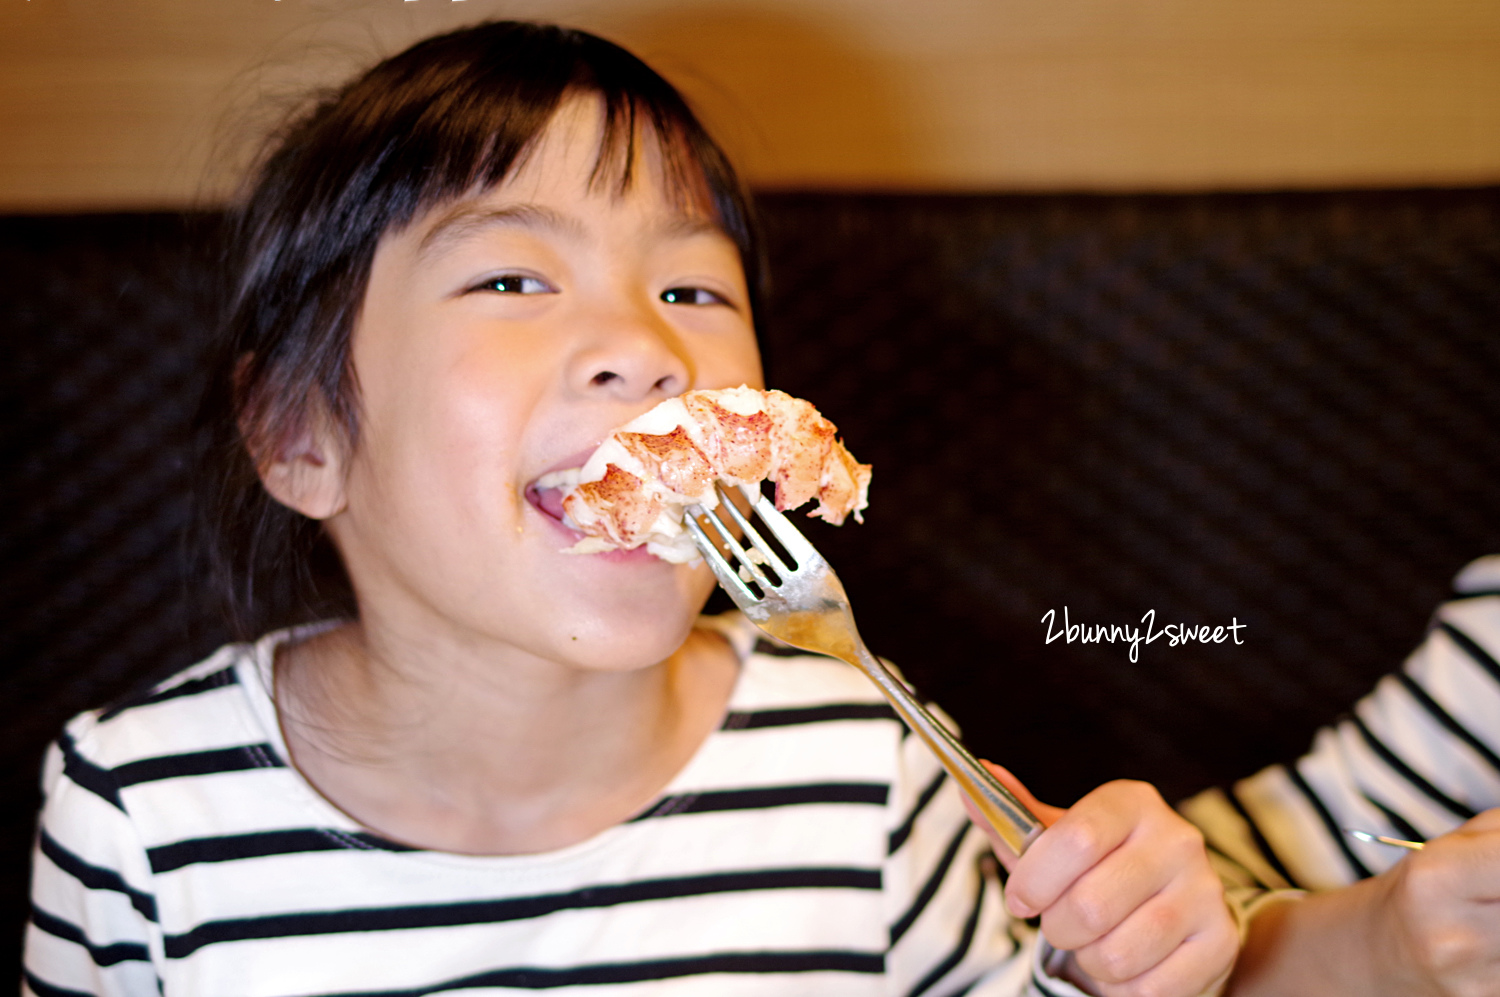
[131, 103]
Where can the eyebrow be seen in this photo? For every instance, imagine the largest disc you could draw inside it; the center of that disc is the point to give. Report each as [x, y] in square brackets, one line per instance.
[465, 220]
[683, 225]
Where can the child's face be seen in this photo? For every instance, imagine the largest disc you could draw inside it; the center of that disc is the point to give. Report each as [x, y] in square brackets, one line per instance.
[503, 337]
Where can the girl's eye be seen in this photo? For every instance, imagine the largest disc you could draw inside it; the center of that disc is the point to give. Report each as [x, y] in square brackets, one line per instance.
[514, 283]
[691, 296]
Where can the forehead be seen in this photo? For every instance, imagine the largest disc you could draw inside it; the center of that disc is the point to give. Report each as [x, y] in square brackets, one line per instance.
[577, 166]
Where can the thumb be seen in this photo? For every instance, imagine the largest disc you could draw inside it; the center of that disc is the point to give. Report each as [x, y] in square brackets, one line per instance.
[1048, 815]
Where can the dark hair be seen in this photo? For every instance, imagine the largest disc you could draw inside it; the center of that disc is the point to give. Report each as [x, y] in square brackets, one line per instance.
[447, 117]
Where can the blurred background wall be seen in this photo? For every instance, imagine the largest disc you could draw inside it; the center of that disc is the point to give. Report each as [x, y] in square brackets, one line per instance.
[156, 103]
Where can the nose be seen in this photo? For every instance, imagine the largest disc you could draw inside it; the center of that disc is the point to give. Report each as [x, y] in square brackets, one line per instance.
[631, 356]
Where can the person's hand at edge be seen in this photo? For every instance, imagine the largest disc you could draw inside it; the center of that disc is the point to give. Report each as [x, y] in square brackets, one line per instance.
[1429, 926]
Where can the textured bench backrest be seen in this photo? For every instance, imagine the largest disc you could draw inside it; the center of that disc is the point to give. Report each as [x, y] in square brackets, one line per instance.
[1280, 409]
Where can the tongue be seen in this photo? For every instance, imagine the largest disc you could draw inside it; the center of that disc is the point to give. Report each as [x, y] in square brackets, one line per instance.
[549, 500]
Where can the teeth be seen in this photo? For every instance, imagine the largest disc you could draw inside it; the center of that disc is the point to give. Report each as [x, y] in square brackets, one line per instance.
[565, 479]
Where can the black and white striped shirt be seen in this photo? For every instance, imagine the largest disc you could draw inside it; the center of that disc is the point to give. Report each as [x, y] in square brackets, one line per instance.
[809, 847]
[1414, 759]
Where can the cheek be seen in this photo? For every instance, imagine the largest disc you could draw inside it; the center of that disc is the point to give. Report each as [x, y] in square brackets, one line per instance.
[460, 406]
[437, 458]
[730, 363]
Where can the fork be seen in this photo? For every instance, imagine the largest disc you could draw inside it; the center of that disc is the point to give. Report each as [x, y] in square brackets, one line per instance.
[1380, 839]
[802, 603]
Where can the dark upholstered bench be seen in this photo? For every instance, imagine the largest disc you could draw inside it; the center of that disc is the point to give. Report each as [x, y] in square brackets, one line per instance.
[1281, 410]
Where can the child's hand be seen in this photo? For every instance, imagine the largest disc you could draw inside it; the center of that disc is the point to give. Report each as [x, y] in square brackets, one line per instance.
[1124, 884]
[1437, 921]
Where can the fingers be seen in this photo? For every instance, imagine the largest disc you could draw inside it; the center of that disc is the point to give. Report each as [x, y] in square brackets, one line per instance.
[1046, 814]
[1487, 821]
[1125, 884]
[1441, 929]
[1477, 857]
[1183, 931]
[1463, 864]
[1080, 839]
[1192, 968]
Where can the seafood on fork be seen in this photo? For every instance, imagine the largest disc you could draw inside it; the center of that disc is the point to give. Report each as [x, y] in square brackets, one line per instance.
[636, 486]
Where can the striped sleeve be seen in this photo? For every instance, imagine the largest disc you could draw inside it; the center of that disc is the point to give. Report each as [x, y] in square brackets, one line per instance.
[1415, 758]
[92, 928]
[950, 933]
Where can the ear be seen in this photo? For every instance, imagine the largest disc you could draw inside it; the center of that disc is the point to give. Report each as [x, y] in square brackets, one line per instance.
[306, 471]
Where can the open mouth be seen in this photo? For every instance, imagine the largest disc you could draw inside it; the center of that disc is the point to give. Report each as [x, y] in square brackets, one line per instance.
[546, 492]
[547, 500]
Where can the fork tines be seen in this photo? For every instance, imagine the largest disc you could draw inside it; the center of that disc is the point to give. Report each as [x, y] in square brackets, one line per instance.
[755, 555]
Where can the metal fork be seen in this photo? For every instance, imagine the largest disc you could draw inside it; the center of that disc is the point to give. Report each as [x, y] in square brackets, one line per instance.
[803, 604]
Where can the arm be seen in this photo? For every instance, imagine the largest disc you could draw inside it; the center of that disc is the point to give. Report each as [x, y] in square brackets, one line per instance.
[1430, 925]
[1418, 758]
[92, 925]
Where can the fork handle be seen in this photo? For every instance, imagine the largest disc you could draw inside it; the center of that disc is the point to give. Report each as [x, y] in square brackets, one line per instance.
[1012, 822]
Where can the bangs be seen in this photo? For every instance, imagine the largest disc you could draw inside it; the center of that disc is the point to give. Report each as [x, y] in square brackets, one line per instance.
[628, 123]
[467, 118]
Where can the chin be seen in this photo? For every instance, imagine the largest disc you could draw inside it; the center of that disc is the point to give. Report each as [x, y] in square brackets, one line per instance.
[641, 627]
[629, 649]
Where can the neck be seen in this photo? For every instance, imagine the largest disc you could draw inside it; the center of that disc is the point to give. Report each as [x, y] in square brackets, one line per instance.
[488, 750]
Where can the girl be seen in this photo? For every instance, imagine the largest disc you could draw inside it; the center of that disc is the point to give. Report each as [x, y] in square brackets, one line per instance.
[507, 768]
